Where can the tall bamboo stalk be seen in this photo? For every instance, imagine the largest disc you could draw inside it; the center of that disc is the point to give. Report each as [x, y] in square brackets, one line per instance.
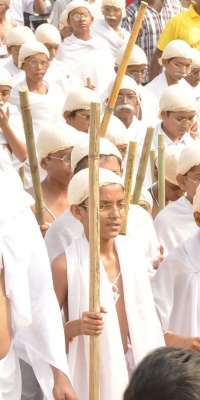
[152, 161]
[128, 182]
[94, 241]
[143, 165]
[161, 171]
[33, 162]
[122, 67]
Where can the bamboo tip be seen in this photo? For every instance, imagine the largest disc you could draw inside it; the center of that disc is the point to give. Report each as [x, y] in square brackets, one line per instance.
[144, 3]
[23, 89]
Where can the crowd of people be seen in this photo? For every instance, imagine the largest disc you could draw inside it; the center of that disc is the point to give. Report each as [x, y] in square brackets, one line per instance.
[66, 54]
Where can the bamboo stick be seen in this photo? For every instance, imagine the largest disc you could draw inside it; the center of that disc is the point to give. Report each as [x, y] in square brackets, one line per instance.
[30, 143]
[152, 161]
[89, 84]
[128, 182]
[161, 171]
[122, 68]
[22, 174]
[143, 165]
[94, 241]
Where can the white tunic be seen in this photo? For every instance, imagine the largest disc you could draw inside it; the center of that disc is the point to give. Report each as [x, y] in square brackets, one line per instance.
[158, 84]
[176, 289]
[175, 223]
[184, 141]
[10, 378]
[144, 327]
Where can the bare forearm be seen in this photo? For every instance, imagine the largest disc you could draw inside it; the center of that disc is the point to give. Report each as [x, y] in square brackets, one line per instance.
[17, 147]
[63, 388]
[187, 342]
[39, 6]
[155, 67]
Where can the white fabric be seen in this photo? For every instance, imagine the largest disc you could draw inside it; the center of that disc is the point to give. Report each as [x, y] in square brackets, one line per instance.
[172, 160]
[175, 223]
[158, 84]
[62, 76]
[177, 48]
[196, 200]
[78, 189]
[176, 288]
[184, 141]
[18, 7]
[140, 313]
[190, 157]
[19, 35]
[129, 84]
[177, 98]
[116, 131]
[195, 58]
[114, 39]
[47, 33]
[77, 4]
[10, 378]
[31, 48]
[146, 197]
[148, 100]
[88, 59]
[138, 56]
[116, 3]
[81, 150]
[80, 98]
[5, 78]
[16, 73]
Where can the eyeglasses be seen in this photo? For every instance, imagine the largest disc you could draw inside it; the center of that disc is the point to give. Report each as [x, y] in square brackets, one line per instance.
[77, 16]
[107, 208]
[66, 158]
[36, 63]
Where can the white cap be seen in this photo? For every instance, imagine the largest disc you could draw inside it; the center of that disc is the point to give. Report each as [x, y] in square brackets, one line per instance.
[48, 33]
[195, 58]
[80, 98]
[177, 98]
[5, 78]
[138, 56]
[81, 150]
[196, 200]
[29, 49]
[116, 3]
[127, 83]
[116, 132]
[78, 189]
[72, 5]
[189, 158]
[54, 137]
[146, 197]
[63, 19]
[18, 35]
[176, 48]
[172, 156]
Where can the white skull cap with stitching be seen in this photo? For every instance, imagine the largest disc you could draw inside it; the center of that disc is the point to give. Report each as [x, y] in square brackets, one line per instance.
[18, 35]
[189, 158]
[116, 132]
[78, 189]
[72, 5]
[80, 98]
[48, 33]
[29, 49]
[81, 150]
[176, 48]
[138, 56]
[116, 3]
[178, 98]
[5, 78]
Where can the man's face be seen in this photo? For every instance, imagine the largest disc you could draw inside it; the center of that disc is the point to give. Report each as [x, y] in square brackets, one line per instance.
[190, 181]
[173, 192]
[126, 104]
[14, 52]
[177, 67]
[193, 78]
[112, 15]
[4, 94]
[58, 166]
[137, 72]
[79, 119]
[80, 20]
[35, 67]
[176, 124]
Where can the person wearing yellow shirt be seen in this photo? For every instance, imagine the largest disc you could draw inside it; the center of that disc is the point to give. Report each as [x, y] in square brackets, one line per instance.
[185, 26]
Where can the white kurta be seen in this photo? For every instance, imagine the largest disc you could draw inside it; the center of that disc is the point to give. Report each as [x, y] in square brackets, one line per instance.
[88, 59]
[16, 73]
[144, 327]
[10, 377]
[175, 223]
[158, 84]
[184, 141]
[150, 106]
[176, 289]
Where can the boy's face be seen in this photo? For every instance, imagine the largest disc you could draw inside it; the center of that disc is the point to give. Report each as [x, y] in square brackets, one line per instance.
[80, 20]
[4, 94]
[177, 67]
[79, 119]
[58, 165]
[176, 124]
[14, 52]
[173, 192]
[137, 72]
[190, 181]
[35, 67]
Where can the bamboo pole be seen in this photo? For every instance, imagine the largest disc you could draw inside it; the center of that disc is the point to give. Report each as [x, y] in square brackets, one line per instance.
[152, 161]
[94, 241]
[122, 68]
[89, 84]
[22, 174]
[30, 143]
[128, 182]
[161, 171]
[143, 165]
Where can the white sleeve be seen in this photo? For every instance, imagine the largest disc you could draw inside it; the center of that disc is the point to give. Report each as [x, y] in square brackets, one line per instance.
[15, 11]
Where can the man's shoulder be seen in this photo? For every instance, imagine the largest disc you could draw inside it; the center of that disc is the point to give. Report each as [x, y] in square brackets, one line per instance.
[171, 209]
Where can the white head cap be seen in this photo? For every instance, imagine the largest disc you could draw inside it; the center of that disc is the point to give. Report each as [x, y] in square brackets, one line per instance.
[29, 49]
[80, 99]
[138, 56]
[177, 98]
[63, 19]
[5, 78]
[19, 35]
[176, 48]
[48, 33]
[146, 197]
[72, 5]
[189, 158]
[172, 156]
[127, 83]
[116, 3]
[196, 200]
[81, 150]
[195, 58]
[116, 131]
[53, 138]
[78, 189]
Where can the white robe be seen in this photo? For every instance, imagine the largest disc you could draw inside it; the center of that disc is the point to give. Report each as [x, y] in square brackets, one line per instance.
[115, 41]
[175, 223]
[144, 327]
[176, 289]
[88, 59]
[184, 141]
[16, 73]
[10, 377]
[158, 84]
[150, 106]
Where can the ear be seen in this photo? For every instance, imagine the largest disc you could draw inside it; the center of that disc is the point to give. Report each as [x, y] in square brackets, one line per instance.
[181, 179]
[163, 115]
[44, 163]
[67, 117]
[197, 217]
[76, 212]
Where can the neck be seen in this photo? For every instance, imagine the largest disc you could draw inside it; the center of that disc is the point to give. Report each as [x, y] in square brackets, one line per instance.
[169, 134]
[106, 246]
[55, 187]
[35, 86]
[2, 18]
[189, 198]
[170, 80]
[127, 121]
[83, 35]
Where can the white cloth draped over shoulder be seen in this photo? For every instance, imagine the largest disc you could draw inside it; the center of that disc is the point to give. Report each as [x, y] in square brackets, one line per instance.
[158, 84]
[37, 329]
[10, 377]
[176, 289]
[144, 327]
[175, 223]
[88, 59]
[100, 28]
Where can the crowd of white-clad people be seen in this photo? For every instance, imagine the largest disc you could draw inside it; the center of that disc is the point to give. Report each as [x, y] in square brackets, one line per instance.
[66, 54]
